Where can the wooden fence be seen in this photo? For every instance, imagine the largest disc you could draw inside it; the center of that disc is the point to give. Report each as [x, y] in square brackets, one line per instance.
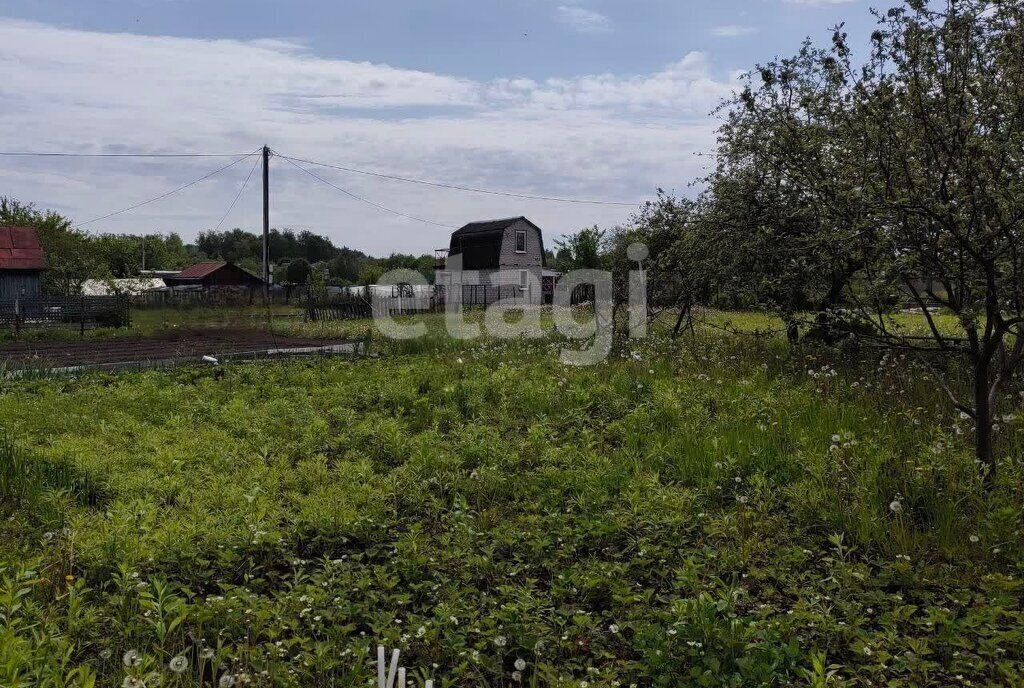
[72, 312]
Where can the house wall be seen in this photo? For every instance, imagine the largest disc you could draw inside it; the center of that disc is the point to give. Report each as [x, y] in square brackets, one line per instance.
[13, 282]
[534, 256]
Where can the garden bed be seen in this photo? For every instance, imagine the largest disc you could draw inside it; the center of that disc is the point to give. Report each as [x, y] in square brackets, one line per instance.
[169, 345]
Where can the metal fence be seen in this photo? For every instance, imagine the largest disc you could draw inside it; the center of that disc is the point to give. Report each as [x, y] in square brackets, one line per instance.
[72, 312]
[360, 307]
[360, 302]
[218, 297]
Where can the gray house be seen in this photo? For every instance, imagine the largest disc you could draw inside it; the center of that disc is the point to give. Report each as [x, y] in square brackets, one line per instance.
[22, 262]
[498, 259]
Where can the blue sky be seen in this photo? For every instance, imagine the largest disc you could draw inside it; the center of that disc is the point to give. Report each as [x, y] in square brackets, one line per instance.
[584, 98]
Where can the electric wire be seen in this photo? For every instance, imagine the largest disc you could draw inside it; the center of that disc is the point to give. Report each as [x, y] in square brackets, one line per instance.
[169, 193]
[238, 195]
[360, 198]
[456, 187]
[38, 154]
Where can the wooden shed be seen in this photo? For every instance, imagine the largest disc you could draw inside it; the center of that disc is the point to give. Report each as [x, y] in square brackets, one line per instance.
[22, 262]
[214, 274]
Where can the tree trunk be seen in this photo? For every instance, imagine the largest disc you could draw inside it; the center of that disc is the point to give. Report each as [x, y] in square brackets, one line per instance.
[983, 422]
[684, 315]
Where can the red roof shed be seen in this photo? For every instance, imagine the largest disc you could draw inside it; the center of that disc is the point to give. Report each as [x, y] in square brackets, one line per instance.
[214, 274]
[20, 249]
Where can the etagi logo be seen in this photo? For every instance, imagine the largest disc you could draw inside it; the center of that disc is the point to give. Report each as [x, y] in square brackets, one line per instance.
[524, 298]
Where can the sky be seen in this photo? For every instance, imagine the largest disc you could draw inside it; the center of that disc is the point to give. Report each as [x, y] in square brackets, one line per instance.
[583, 99]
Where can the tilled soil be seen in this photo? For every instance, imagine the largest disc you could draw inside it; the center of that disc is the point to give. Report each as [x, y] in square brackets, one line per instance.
[176, 344]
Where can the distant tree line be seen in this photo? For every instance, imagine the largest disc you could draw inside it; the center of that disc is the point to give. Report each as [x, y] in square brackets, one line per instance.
[297, 255]
[75, 256]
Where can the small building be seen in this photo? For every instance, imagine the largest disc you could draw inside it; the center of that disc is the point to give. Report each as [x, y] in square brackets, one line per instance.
[501, 259]
[213, 275]
[22, 262]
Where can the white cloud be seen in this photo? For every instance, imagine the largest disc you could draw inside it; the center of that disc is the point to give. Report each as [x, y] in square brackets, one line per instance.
[615, 137]
[733, 31]
[582, 20]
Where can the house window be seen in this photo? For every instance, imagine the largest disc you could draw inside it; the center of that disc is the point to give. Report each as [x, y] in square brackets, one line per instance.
[520, 241]
[524, 276]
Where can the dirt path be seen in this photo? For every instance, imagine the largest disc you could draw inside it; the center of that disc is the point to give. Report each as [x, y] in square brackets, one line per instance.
[178, 344]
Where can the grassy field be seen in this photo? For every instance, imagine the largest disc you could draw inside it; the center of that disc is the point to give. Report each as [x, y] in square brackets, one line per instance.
[717, 512]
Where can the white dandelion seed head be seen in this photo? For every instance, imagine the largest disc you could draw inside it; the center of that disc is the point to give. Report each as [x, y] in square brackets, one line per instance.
[520, 664]
[178, 664]
[226, 681]
[131, 658]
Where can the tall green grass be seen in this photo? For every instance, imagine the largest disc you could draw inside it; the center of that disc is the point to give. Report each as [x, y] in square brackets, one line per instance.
[40, 485]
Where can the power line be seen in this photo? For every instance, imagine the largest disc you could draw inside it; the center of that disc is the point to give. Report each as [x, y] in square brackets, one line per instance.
[169, 193]
[32, 154]
[360, 198]
[238, 195]
[456, 187]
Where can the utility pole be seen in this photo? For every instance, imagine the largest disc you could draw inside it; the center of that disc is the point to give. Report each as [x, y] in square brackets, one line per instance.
[266, 222]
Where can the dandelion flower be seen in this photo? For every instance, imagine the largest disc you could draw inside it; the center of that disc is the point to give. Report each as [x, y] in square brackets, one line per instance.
[614, 628]
[895, 506]
[178, 664]
[520, 664]
[974, 539]
[517, 676]
[131, 658]
[226, 681]
[207, 653]
[132, 682]
[501, 641]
